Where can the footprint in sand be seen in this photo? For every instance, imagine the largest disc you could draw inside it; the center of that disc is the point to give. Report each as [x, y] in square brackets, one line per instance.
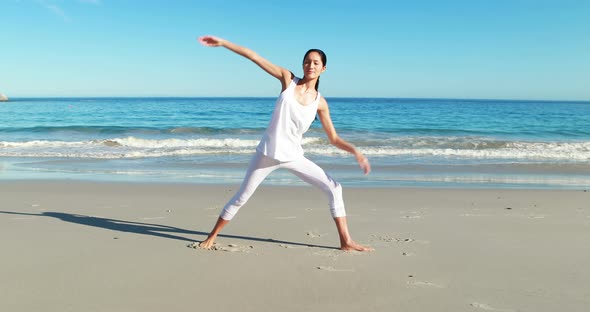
[486, 307]
[383, 238]
[390, 239]
[333, 269]
[425, 284]
[314, 234]
[408, 214]
[537, 216]
[229, 247]
[411, 217]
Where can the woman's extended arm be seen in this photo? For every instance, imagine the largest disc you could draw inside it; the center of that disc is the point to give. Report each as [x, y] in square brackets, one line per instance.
[278, 72]
[324, 114]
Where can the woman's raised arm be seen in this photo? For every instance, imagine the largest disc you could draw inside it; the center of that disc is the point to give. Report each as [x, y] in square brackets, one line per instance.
[278, 72]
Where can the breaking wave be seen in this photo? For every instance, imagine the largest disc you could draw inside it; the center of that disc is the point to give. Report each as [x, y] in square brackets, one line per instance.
[458, 147]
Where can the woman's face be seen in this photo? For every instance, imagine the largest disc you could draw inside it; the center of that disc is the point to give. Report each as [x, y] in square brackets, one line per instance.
[313, 66]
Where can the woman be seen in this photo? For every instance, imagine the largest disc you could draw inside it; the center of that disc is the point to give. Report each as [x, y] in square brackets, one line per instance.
[280, 146]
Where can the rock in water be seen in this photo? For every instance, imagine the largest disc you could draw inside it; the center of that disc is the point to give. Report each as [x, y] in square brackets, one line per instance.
[3, 98]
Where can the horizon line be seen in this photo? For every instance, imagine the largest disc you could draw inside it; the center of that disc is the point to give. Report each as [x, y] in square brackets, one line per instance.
[274, 97]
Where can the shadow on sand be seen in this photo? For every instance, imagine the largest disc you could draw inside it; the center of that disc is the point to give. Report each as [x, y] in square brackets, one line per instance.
[157, 230]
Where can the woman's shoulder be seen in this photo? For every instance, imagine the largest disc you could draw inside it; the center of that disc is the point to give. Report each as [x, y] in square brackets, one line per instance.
[289, 80]
[323, 104]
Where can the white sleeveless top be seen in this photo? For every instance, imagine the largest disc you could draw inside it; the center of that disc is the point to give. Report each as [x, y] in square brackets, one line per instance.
[290, 120]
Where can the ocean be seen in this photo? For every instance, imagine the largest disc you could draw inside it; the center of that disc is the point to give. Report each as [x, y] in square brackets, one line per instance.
[409, 142]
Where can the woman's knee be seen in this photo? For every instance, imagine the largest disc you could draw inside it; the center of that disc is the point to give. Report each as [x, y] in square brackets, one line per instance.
[337, 191]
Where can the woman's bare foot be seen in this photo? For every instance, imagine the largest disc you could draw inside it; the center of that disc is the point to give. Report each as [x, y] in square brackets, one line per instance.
[346, 242]
[207, 244]
[210, 241]
[353, 246]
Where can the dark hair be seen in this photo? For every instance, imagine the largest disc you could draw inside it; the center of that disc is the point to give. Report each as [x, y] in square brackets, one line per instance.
[324, 61]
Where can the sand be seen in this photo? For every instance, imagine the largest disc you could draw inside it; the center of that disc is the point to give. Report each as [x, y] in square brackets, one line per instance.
[82, 246]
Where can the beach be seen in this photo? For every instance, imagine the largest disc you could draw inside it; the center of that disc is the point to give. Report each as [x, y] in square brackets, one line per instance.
[69, 245]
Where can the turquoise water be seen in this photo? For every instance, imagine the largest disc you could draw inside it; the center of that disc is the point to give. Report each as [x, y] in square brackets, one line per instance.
[410, 142]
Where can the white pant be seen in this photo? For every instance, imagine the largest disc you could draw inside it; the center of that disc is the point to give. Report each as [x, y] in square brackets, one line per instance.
[261, 166]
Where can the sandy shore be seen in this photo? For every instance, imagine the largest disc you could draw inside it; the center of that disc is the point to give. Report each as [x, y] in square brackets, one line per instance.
[72, 246]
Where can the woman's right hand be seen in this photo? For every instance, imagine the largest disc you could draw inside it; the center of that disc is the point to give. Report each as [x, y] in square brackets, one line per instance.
[210, 41]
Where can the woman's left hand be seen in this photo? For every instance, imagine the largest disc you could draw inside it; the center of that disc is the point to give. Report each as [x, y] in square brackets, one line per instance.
[364, 163]
[210, 41]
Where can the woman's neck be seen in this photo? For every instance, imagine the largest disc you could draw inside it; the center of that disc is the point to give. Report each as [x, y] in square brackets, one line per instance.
[308, 83]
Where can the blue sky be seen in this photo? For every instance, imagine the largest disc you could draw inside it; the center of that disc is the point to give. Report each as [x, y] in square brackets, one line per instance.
[495, 49]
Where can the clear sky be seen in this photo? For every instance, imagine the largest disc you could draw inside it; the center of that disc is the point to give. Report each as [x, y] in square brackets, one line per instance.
[494, 49]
